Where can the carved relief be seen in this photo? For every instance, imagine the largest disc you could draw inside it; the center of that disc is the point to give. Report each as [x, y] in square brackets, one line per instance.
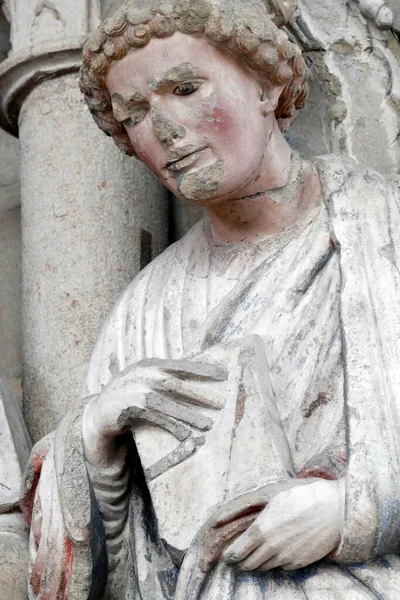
[42, 21]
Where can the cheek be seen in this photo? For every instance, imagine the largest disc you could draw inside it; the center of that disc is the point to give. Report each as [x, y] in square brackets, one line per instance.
[219, 120]
[148, 151]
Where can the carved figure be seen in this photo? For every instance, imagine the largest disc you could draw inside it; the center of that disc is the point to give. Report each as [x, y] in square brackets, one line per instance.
[238, 432]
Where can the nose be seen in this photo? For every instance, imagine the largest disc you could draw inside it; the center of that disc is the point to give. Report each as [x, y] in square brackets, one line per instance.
[165, 127]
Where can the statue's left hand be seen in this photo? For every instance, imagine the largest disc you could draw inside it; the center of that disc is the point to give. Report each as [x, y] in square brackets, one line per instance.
[298, 527]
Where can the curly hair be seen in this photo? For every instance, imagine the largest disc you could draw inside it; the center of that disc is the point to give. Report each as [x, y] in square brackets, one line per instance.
[248, 28]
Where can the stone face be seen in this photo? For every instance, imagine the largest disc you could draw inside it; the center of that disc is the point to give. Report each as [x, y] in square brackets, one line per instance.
[91, 219]
[354, 102]
[251, 328]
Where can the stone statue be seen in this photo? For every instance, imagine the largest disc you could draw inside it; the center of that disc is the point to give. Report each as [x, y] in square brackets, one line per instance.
[238, 432]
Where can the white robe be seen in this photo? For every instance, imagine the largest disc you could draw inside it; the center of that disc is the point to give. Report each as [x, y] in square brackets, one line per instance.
[323, 297]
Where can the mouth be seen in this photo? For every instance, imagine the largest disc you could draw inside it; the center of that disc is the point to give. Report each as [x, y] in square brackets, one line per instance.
[181, 158]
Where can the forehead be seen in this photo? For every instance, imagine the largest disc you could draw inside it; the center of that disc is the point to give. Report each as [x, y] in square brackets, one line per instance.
[169, 59]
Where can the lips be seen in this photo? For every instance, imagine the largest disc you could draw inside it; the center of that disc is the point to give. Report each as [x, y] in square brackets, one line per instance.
[179, 158]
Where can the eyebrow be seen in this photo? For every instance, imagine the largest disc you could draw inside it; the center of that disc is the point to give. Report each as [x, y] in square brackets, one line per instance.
[175, 75]
[122, 107]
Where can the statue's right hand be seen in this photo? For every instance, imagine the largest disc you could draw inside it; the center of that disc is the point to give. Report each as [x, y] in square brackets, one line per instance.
[101, 424]
[183, 381]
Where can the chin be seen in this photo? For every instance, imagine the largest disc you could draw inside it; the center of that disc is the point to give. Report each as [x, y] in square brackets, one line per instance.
[199, 186]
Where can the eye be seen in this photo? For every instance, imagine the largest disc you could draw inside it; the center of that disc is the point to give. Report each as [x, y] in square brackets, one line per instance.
[186, 89]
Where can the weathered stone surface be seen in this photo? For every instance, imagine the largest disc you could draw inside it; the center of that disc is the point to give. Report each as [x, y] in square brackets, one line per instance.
[355, 86]
[10, 247]
[36, 21]
[395, 8]
[201, 444]
[183, 217]
[240, 409]
[14, 448]
[91, 219]
[13, 557]
[14, 452]
[10, 196]
[108, 7]
[10, 297]
[5, 44]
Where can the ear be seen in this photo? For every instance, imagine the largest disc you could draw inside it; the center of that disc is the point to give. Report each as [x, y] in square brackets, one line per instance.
[269, 97]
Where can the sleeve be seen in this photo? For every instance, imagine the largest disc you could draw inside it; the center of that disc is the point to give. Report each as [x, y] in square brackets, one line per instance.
[67, 541]
[365, 221]
[64, 506]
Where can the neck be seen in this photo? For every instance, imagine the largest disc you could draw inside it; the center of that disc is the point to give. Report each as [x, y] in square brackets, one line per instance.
[284, 190]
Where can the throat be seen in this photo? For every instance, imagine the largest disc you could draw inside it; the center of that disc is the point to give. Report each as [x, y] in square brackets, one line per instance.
[268, 213]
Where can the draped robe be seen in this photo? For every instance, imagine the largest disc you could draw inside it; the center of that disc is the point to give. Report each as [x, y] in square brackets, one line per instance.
[318, 305]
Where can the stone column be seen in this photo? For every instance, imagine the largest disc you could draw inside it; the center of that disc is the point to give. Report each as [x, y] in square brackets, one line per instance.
[10, 288]
[10, 247]
[91, 218]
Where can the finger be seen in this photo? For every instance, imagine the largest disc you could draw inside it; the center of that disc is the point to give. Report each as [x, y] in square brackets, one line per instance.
[243, 545]
[182, 412]
[188, 369]
[193, 392]
[258, 557]
[278, 560]
[296, 564]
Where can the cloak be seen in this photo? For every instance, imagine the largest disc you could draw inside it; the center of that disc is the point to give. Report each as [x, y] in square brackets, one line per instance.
[302, 330]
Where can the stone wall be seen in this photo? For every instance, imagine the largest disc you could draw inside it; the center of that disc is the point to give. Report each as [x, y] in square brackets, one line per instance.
[354, 105]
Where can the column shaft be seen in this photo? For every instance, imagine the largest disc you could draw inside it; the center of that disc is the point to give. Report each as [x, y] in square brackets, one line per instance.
[85, 210]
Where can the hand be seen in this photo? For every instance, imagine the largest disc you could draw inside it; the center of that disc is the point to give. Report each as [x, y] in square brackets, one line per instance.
[298, 527]
[182, 382]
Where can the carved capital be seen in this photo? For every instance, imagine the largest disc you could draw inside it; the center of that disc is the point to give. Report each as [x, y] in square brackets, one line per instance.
[34, 22]
[22, 72]
[46, 38]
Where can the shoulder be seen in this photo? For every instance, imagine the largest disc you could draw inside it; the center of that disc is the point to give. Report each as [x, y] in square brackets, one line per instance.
[336, 171]
[349, 186]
